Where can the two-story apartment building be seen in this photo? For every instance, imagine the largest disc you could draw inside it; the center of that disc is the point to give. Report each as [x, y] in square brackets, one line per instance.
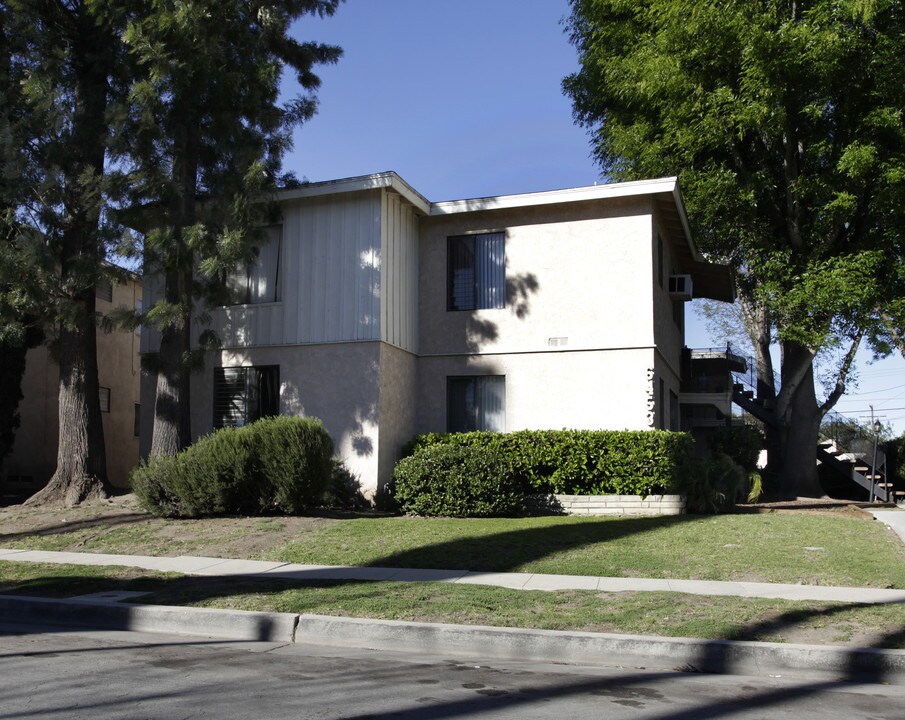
[34, 454]
[387, 315]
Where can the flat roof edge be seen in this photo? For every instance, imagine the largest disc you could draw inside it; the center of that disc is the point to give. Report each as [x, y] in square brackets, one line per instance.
[389, 180]
[550, 197]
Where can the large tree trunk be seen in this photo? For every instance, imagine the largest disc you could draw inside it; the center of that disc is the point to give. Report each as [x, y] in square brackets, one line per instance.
[81, 472]
[793, 441]
[172, 426]
[172, 430]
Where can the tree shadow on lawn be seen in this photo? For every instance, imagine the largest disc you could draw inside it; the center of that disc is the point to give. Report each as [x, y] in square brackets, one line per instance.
[510, 550]
[857, 664]
[103, 521]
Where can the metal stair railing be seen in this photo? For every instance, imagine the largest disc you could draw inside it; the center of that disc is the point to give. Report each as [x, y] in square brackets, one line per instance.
[845, 445]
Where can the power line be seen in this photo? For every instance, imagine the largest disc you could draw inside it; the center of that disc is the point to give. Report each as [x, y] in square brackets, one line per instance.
[874, 392]
[867, 410]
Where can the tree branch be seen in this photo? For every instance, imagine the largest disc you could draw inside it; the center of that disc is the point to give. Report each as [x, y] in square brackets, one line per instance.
[844, 370]
[894, 334]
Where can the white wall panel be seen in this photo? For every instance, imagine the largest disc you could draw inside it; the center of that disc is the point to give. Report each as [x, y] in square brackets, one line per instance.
[330, 269]
[399, 272]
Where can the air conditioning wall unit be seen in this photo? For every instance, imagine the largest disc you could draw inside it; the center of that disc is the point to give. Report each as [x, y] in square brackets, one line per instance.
[680, 287]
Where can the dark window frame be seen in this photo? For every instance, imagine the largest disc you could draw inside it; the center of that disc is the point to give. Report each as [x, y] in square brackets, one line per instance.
[101, 398]
[477, 419]
[244, 274]
[464, 247]
[103, 290]
[243, 394]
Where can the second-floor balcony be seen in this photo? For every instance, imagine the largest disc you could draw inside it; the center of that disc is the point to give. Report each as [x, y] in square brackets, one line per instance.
[707, 383]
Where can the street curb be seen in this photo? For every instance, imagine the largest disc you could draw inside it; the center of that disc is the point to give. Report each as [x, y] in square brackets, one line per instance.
[471, 641]
[99, 615]
[585, 648]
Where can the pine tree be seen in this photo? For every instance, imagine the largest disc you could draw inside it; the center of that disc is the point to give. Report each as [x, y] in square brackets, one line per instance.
[61, 67]
[204, 139]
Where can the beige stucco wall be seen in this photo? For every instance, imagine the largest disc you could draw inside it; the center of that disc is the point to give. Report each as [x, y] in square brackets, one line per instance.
[35, 450]
[602, 389]
[119, 368]
[336, 382]
[579, 271]
[398, 406]
[669, 337]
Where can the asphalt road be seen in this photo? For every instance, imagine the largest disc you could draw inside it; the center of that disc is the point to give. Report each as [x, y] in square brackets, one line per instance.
[98, 675]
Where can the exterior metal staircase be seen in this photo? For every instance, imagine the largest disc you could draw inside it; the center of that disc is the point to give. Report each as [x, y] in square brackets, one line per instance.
[852, 457]
[857, 469]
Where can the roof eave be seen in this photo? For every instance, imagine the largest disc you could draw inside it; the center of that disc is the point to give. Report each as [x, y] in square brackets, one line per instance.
[376, 181]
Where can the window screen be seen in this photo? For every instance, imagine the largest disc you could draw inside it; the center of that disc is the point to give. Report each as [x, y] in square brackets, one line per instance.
[259, 280]
[104, 290]
[476, 268]
[104, 396]
[245, 394]
[476, 403]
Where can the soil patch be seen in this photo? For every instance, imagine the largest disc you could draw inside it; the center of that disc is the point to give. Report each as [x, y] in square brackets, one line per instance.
[122, 522]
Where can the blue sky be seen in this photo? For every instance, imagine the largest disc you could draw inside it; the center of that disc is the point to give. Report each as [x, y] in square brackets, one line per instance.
[463, 99]
[460, 97]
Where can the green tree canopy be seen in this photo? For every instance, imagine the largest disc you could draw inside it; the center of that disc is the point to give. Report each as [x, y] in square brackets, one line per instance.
[205, 137]
[784, 122]
[158, 114]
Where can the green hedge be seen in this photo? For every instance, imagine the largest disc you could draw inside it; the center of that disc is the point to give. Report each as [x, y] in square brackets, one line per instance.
[742, 443]
[456, 481]
[275, 464]
[581, 462]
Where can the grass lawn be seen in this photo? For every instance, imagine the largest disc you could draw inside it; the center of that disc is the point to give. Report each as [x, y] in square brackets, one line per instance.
[669, 614]
[825, 548]
[809, 549]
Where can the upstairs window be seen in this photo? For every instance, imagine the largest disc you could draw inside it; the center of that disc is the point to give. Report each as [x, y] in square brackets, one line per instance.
[476, 272]
[104, 290]
[259, 280]
[476, 403]
[103, 394]
[245, 394]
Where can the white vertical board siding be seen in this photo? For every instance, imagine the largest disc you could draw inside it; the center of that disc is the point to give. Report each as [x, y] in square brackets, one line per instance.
[247, 325]
[399, 273]
[335, 257]
[330, 274]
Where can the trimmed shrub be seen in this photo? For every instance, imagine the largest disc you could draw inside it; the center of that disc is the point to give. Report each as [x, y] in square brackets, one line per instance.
[294, 458]
[344, 491]
[742, 443]
[709, 484]
[275, 464]
[456, 481]
[581, 462]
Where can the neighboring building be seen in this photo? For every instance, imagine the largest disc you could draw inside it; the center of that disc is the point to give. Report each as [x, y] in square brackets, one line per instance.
[34, 455]
[387, 315]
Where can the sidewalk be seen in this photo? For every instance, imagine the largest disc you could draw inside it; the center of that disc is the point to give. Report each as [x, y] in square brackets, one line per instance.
[107, 611]
[208, 566]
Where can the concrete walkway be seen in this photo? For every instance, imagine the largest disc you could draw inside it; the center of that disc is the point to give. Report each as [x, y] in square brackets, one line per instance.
[208, 566]
[893, 518]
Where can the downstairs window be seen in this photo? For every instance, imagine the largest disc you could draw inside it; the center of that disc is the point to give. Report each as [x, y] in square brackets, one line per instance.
[245, 394]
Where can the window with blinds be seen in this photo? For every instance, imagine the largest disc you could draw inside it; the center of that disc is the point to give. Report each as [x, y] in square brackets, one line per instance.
[259, 280]
[476, 272]
[104, 290]
[476, 403]
[245, 394]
